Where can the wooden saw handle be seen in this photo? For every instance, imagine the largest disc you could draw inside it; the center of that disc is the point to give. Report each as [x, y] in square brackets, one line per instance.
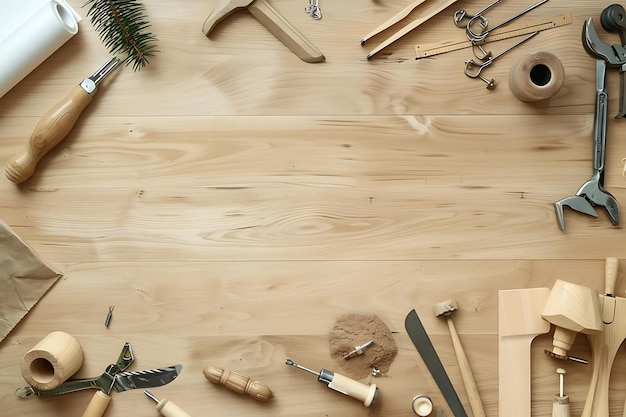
[51, 129]
[238, 383]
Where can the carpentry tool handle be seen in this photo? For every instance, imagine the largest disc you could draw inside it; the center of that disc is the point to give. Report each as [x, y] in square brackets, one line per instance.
[51, 129]
[98, 404]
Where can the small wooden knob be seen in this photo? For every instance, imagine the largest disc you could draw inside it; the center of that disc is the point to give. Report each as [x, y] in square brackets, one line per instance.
[238, 383]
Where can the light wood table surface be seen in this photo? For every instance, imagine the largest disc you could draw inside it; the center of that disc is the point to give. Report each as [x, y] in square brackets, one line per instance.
[231, 201]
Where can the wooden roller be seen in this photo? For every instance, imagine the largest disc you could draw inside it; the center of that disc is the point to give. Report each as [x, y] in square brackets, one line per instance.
[238, 383]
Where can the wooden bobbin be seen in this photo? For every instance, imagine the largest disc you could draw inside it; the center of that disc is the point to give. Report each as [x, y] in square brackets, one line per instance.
[52, 361]
[536, 77]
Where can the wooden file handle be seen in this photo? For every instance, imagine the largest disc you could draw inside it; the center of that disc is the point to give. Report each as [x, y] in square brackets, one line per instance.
[238, 383]
[98, 404]
[51, 129]
[466, 372]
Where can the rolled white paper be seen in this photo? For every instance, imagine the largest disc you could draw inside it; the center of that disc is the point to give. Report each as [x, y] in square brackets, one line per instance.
[38, 37]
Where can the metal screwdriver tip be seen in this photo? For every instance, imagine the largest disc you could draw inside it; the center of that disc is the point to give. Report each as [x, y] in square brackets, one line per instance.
[292, 363]
[149, 394]
[358, 350]
[107, 320]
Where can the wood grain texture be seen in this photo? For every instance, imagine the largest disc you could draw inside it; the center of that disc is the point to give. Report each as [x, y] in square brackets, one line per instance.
[231, 201]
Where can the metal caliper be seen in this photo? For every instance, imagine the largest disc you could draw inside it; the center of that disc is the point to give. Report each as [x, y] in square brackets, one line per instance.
[592, 193]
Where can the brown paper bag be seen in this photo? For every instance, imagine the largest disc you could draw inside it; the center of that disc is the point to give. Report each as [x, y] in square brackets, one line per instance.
[24, 279]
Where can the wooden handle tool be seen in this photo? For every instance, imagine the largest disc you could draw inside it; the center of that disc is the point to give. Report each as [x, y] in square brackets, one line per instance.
[55, 125]
[446, 308]
[237, 382]
[166, 407]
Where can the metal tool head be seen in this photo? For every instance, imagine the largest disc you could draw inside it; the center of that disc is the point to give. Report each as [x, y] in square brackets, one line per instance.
[614, 55]
[223, 9]
[576, 203]
[123, 361]
[445, 308]
[594, 192]
[146, 379]
[613, 19]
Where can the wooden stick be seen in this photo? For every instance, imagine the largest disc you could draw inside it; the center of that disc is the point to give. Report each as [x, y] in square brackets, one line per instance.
[410, 27]
[605, 344]
[392, 20]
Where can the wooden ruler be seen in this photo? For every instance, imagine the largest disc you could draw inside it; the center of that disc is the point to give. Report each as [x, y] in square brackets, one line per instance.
[436, 48]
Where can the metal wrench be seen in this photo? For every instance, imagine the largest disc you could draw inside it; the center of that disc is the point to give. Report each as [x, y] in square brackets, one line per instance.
[613, 20]
[480, 37]
[592, 193]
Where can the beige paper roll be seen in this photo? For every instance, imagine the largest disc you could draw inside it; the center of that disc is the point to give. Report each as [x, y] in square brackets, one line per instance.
[52, 361]
[536, 77]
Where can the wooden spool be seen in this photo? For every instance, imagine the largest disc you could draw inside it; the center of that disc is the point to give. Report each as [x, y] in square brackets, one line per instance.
[52, 361]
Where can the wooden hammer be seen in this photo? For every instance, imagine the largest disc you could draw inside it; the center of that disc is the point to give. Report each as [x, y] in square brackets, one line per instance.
[273, 21]
[446, 308]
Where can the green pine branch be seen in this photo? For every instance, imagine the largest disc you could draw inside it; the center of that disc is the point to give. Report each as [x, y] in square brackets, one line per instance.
[123, 28]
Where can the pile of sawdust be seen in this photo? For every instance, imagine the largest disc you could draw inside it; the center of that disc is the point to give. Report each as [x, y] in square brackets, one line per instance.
[351, 330]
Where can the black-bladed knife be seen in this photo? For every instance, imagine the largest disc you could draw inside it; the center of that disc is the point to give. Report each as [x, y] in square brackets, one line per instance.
[130, 380]
[424, 346]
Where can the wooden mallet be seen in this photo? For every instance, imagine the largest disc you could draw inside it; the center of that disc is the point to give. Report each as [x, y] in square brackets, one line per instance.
[446, 308]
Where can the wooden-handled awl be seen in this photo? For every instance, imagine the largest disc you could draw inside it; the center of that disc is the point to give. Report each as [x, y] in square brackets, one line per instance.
[237, 382]
[55, 125]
